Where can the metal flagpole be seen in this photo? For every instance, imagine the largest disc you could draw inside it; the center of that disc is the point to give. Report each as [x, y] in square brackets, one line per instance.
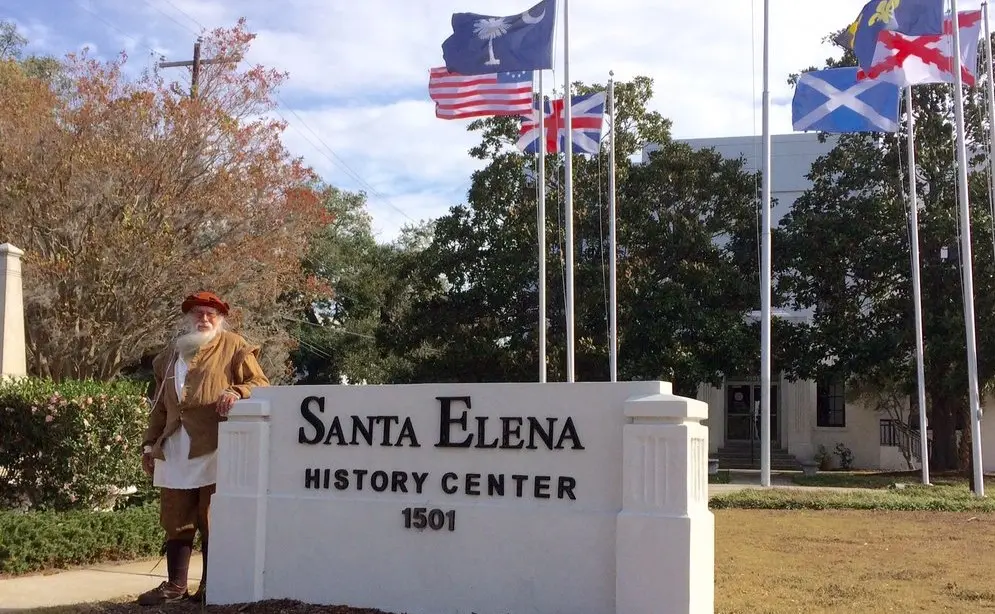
[612, 277]
[967, 259]
[916, 286]
[541, 169]
[568, 189]
[991, 104]
[765, 277]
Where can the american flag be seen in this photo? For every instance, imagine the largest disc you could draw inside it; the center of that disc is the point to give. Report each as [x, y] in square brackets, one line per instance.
[460, 96]
[587, 117]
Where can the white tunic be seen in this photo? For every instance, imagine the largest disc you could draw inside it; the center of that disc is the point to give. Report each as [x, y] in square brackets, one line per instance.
[178, 470]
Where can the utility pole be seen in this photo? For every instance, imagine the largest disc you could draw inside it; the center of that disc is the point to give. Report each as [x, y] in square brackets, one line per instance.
[195, 64]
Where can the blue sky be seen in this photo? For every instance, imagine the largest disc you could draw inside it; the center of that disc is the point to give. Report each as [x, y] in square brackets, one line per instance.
[357, 100]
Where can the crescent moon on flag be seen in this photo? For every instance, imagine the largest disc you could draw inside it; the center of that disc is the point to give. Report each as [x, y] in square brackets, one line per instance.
[527, 18]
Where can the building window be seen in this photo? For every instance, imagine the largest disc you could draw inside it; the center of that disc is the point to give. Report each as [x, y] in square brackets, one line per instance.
[830, 406]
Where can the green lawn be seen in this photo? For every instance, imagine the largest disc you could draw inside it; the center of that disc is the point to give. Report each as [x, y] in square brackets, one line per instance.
[877, 479]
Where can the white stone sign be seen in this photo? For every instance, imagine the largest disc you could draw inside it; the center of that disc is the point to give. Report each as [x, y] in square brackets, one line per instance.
[580, 498]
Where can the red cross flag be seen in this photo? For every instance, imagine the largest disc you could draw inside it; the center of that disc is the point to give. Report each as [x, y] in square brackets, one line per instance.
[916, 60]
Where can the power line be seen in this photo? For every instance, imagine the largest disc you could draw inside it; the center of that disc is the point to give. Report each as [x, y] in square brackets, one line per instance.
[338, 161]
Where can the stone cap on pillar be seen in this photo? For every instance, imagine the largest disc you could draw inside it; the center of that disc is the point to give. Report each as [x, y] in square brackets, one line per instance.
[249, 409]
[665, 408]
[7, 248]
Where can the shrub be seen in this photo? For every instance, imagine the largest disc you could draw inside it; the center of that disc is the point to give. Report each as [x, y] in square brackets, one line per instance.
[35, 541]
[911, 499]
[68, 445]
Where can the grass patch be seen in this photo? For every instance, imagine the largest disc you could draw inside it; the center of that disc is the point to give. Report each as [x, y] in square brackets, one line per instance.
[722, 477]
[877, 479]
[781, 562]
[911, 499]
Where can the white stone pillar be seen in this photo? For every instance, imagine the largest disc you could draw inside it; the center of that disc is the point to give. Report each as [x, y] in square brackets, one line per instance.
[665, 549]
[13, 357]
[238, 507]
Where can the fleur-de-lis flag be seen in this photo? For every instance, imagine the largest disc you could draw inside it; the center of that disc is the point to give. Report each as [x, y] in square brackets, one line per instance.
[484, 44]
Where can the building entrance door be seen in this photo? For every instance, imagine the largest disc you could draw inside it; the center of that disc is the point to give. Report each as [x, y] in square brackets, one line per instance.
[743, 413]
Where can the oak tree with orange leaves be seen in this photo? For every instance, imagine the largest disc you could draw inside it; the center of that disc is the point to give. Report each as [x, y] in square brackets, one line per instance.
[127, 194]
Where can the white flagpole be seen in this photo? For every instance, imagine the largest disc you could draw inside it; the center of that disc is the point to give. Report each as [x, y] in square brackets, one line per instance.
[765, 277]
[991, 103]
[612, 277]
[568, 189]
[916, 287]
[967, 259]
[541, 169]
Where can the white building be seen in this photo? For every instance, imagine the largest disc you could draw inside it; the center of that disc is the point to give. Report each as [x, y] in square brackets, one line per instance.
[806, 416]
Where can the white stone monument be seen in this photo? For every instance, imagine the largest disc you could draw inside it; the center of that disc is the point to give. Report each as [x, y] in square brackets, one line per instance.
[13, 359]
[579, 498]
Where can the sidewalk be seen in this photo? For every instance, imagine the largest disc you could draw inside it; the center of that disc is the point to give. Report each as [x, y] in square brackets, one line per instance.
[88, 585]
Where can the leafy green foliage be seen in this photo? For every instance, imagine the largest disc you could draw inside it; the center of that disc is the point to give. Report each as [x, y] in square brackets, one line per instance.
[682, 297]
[911, 499]
[859, 277]
[350, 334]
[36, 541]
[68, 445]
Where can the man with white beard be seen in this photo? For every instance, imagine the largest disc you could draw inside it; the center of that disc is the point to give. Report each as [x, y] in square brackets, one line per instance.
[198, 378]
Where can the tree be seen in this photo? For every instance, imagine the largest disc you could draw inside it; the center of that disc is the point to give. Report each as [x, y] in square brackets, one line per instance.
[46, 68]
[348, 336]
[844, 251]
[126, 196]
[682, 292]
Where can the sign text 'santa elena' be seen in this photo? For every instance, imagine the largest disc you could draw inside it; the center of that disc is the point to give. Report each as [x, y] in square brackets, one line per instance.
[456, 428]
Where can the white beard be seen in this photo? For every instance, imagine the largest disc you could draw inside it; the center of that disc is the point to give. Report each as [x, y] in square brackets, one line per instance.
[188, 344]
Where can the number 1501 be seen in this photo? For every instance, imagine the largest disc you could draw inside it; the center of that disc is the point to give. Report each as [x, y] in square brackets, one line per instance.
[435, 519]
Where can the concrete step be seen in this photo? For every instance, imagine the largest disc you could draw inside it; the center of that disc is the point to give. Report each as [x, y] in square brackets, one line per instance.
[739, 456]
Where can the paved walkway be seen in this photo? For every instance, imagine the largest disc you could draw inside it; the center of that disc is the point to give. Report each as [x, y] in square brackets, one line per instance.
[88, 585]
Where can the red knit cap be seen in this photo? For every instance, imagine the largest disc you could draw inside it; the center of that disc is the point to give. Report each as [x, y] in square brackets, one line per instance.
[205, 299]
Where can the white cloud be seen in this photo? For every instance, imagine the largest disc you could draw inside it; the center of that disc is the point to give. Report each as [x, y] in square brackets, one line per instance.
[359, 71]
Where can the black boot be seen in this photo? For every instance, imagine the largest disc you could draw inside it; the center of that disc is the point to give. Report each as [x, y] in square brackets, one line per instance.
[201, 594]
[177, 566]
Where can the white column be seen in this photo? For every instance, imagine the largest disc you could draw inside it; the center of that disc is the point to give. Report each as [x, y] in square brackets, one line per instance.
[665, 548]
[13, 357]
[238, 533]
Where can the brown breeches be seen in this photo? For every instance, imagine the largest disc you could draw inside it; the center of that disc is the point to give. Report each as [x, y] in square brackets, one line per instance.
[183, 512]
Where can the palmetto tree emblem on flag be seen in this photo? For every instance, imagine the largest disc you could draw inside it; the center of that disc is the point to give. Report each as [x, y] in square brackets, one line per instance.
[488, 30]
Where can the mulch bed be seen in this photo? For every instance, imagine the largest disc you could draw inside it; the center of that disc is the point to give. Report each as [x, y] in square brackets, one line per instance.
[274, 606]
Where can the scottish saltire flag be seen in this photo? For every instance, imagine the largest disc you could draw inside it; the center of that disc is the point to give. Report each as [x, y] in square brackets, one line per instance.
[482, 44]
[462, 96]
[918, 60]
[834, 100]
[588, 114]
[912, 17]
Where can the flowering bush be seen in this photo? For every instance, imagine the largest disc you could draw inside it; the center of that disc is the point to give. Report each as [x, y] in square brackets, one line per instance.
[69, 445]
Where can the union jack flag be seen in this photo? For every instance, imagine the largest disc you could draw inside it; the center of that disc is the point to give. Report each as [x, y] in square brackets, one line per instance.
[588, 116]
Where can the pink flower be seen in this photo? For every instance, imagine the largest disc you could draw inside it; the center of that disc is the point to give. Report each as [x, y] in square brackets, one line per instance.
[49, 418]
[118, 438]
